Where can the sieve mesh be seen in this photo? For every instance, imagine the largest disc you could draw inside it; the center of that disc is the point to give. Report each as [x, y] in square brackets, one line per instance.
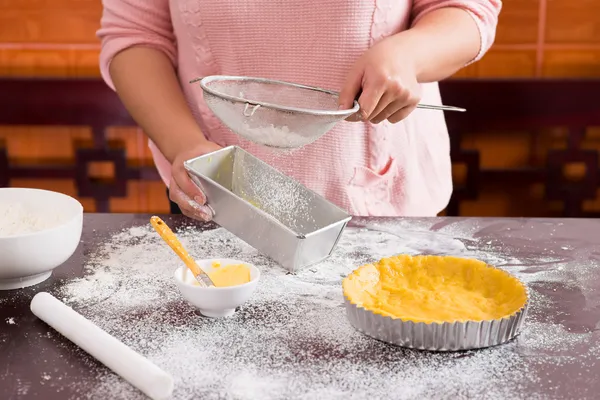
[273, 113]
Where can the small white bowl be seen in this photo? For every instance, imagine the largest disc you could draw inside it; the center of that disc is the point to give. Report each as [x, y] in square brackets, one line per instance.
[215, 302]
[28, 259]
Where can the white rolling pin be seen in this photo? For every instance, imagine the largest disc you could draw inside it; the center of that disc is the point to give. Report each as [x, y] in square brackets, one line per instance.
[121, 359]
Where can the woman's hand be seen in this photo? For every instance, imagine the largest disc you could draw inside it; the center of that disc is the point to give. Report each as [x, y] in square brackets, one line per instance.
[385, 82]
[188, 196]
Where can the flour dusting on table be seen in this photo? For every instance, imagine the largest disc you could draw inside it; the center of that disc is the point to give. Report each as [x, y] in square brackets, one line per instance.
[292, 339]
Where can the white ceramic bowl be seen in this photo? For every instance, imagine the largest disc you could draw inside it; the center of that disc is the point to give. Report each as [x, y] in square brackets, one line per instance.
[29, 258]
[215, 302]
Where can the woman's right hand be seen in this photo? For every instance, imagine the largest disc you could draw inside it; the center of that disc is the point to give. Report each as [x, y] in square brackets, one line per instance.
[183, 191]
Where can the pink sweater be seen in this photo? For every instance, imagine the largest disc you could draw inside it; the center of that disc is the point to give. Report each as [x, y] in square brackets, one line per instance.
[369, 170]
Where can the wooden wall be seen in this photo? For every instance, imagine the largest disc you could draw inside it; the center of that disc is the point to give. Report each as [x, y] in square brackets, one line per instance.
[536, 38]
[544, 38]
[58, 38]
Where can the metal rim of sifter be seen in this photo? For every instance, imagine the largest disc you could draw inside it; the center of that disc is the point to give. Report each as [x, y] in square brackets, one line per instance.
[204, 84]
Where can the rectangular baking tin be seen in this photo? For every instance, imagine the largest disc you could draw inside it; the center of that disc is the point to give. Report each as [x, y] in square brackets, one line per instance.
[294, 226]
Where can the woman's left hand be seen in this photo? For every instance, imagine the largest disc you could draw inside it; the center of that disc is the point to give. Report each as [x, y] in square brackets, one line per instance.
[385, 80]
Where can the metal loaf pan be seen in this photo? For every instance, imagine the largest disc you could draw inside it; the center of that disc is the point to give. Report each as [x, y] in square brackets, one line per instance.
[455, 336]
[270, 211]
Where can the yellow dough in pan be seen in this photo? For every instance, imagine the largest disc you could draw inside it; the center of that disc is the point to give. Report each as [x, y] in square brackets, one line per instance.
[435, 289]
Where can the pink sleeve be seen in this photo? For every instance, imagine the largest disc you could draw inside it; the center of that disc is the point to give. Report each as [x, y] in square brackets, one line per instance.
[484, 12]
[127, 23]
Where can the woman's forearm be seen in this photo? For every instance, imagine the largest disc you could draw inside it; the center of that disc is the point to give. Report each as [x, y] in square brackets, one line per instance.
[148, 86]
[440, 43]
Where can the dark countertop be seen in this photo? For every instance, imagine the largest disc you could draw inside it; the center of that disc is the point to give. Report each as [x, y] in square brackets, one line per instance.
[563, 365]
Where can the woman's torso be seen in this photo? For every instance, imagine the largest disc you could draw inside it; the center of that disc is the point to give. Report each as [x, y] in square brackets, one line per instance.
[382, 170]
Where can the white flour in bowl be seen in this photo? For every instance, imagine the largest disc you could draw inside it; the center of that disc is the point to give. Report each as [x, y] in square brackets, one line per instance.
[15, 219]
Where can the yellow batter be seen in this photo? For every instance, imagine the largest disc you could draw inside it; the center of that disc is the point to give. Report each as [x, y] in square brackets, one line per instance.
[435, 289]
[229, 275]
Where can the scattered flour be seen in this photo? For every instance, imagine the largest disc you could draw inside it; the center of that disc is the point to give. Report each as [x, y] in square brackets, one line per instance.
[23, 387]
[10, 321]
[15, 219]
[292, 339]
